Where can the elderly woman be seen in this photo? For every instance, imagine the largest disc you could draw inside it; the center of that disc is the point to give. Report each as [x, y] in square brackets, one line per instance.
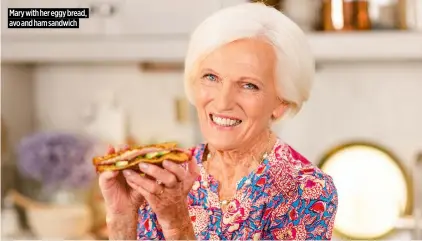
[246, 67]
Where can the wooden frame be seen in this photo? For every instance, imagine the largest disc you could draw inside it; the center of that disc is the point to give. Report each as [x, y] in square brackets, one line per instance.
[408, 210]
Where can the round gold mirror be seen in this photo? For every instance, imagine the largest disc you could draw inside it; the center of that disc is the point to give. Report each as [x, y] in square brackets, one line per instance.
[373, 187]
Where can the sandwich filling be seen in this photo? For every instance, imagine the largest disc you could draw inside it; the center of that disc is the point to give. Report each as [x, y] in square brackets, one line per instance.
[132, 157]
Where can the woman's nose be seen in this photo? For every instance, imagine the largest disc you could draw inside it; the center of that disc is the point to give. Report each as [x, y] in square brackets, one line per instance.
[225, 98]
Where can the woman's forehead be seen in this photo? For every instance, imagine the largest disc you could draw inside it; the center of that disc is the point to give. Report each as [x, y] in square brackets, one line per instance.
[248, 55]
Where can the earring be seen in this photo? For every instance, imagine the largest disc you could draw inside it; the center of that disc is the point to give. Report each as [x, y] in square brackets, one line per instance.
[285, 102]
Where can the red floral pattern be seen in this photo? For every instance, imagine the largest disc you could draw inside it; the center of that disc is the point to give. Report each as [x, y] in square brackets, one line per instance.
[286, 198]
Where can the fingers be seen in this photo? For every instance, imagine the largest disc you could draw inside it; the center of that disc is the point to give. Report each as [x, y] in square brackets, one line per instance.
[139, 189]
[193, 167]
[176, 169]
[136, 181]
[112, 150]
[107, 176]
[188, 177]
[159, 173]
[107, 180]
[124, 147]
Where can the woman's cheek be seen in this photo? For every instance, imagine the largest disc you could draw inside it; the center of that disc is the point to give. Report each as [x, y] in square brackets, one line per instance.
[204, 95]
[254, 106]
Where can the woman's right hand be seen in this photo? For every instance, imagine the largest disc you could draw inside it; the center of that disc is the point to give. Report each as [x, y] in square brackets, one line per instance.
[119, 197]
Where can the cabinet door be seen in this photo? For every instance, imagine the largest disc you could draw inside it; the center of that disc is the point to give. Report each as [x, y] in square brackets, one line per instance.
[228, 3]
[87, 26]
[159, 17]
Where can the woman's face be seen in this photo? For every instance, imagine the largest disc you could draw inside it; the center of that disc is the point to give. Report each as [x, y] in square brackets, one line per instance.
[235, 93]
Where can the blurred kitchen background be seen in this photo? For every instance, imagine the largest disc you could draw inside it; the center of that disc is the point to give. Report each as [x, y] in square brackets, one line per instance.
[67, 93]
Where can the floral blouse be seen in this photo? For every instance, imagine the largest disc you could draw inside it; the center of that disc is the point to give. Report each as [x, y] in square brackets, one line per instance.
[285, 198]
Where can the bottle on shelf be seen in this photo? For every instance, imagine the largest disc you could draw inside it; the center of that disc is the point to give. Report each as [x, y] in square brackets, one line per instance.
[337, 15]
[362, 18]
[10, 225]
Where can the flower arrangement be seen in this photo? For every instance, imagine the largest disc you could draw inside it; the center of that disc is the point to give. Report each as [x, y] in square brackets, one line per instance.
[56, 160]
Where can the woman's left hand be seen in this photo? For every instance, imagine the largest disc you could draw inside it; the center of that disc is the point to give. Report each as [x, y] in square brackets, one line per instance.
[166, 191]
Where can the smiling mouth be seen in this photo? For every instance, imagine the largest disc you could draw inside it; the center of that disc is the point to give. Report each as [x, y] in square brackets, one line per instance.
[227, 122]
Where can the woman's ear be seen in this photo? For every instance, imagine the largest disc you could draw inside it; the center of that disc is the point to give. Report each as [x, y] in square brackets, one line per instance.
[280, 110]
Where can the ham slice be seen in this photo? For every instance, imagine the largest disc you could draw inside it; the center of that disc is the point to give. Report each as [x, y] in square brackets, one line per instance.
[131, 154]
[128, 155]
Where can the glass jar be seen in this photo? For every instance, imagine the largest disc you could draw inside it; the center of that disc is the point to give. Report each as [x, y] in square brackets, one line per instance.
[337, 15]
[388, 14]
[362, 18]
[304, 13]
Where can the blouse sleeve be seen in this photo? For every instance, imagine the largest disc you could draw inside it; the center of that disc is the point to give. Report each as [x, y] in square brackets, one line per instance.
[310, 216]
[148, 228]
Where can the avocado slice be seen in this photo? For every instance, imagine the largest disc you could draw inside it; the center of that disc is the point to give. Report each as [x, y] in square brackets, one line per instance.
[121, 163]
[156, 154]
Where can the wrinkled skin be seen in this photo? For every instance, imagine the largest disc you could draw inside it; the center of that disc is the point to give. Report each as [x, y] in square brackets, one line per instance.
[124, 192]
[168, 200]
[236, 81]
[118, 196]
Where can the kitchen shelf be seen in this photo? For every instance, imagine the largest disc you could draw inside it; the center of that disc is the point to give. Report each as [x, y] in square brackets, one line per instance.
[327, 47]
[94, 49]
[367, 46]
[408, 223]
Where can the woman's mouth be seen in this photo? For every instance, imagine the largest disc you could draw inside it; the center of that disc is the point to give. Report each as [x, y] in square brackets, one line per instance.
[224, 121]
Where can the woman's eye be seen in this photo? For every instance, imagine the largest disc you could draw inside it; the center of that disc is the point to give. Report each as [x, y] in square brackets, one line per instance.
[250, 86]
[210, 77]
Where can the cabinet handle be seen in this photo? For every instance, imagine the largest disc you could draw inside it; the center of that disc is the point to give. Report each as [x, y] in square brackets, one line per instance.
[104, 10]
[92, 10]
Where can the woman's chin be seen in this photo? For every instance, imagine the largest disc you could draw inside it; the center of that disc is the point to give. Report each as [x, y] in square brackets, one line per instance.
[223, 137]
[223, 146]
[223, 141]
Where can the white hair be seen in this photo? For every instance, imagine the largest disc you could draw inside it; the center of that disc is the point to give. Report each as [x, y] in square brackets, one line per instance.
[295, 66]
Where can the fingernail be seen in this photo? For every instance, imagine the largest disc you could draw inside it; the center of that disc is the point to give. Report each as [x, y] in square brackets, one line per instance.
[127, 172]
[108, 174]
[165, 163]
[143, 166]
[108, 219]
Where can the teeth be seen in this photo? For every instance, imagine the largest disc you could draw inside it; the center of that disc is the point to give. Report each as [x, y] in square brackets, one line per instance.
[225, 121]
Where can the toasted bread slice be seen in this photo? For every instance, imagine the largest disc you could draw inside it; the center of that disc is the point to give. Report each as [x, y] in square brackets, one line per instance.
[166, 145]
[153, 154]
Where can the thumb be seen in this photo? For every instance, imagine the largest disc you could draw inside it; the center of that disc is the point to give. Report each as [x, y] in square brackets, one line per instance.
[193, 167]
[107, 179]
[194, 173]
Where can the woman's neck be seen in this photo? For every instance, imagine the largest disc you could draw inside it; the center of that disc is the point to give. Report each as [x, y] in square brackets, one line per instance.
[245, 155]
[228, 167]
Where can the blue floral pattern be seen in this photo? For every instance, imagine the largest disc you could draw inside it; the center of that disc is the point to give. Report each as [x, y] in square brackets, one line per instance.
[285, 198]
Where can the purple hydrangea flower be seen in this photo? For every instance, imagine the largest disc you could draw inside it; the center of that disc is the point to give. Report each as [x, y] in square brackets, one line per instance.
[57, 160]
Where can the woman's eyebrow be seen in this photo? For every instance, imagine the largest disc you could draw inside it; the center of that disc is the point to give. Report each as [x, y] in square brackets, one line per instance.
[254, 79]
[241, 78]
[208, 70]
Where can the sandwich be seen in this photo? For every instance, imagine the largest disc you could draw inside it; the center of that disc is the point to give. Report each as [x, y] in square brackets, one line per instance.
[130, 158]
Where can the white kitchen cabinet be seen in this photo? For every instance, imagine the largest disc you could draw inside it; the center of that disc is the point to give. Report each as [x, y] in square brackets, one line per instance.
[228, 3]
[142, 17]
[92, 26]
[146, 30]
[122, 18]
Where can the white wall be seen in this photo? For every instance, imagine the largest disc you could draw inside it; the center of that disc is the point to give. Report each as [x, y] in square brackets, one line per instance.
[380, 103]
[16, 101]
[64, 92]
[376, 102]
